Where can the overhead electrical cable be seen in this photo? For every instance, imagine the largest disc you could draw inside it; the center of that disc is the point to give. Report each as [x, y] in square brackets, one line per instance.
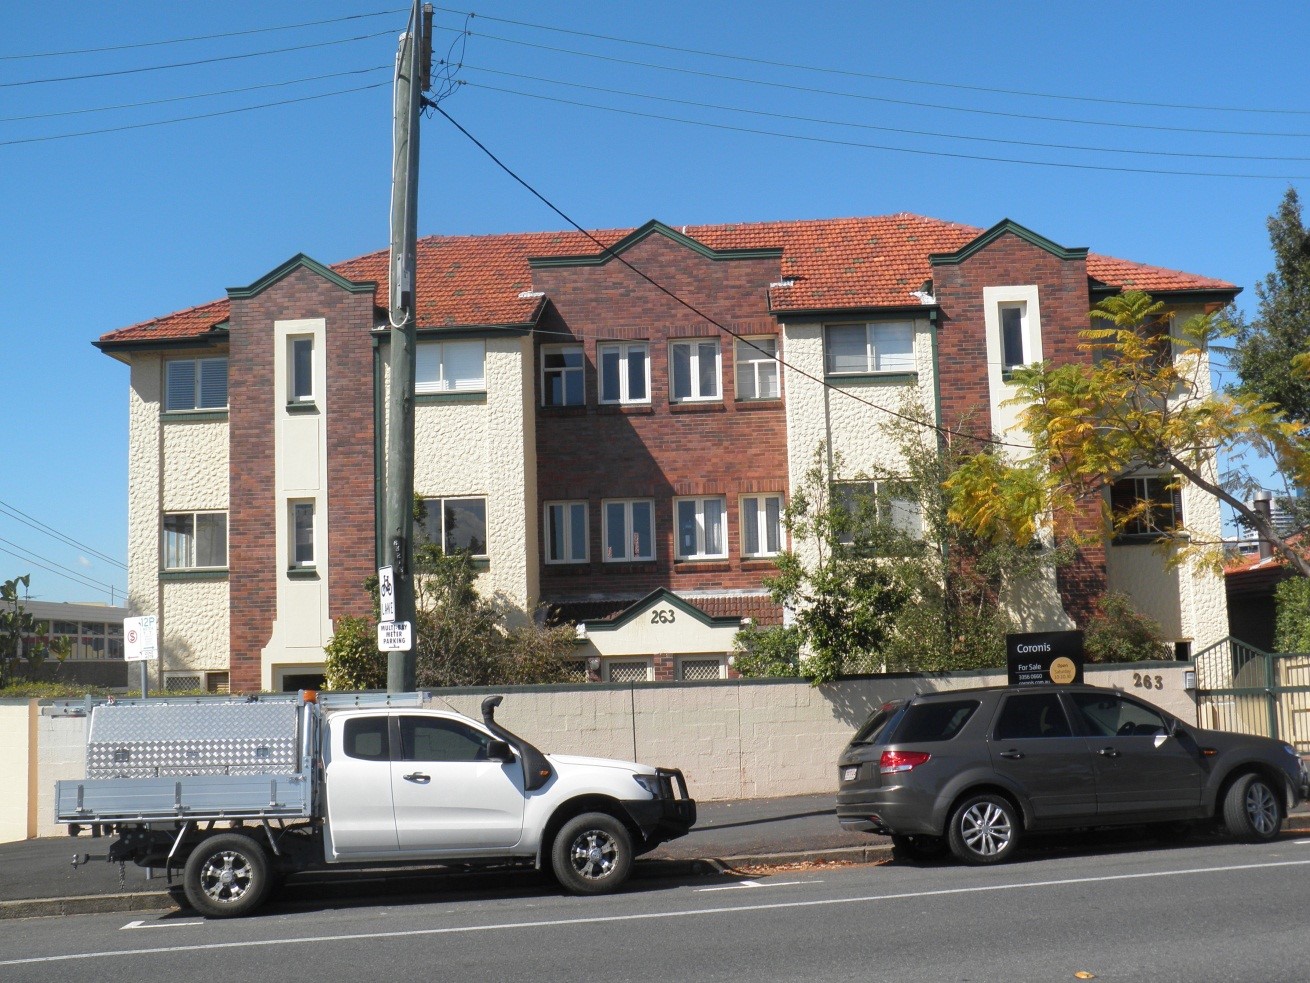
[610, 90]
[773, 63]
[39, 526]
[200, 37]
[883, 99]
[59, 570]
[832, 141]
[191, 64]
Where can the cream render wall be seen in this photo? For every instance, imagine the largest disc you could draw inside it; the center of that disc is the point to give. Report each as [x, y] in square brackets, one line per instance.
[465, 449]
[178, 466]
[16, 776]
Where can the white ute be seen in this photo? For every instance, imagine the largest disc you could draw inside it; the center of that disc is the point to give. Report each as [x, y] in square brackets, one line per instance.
[233, 795]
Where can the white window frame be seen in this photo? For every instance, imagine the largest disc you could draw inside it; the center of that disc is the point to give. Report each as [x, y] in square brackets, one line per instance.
[880, 357]
[612, 664]
[876, 488]
[700, 550]
[190, 561]
[997, 299]
[565, 373]
[428, 503]
[696, 371]
[199, 367]
[438, 358]
[568, 525]
[628, 528]
[623, 350]
[295, 344]
[751, 362]
[754, 508]
[297, 508]
[685, 660]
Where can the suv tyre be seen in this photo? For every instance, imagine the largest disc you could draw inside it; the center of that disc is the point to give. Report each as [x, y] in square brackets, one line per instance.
[1251, 810]
[984, 829]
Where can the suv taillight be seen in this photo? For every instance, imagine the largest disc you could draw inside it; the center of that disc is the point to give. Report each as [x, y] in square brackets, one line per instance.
[894, 761]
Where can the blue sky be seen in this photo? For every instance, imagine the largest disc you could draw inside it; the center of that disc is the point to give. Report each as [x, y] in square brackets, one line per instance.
[951, 110]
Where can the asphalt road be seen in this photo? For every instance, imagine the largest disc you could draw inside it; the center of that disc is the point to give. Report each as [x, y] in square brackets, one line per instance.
[1216, 911]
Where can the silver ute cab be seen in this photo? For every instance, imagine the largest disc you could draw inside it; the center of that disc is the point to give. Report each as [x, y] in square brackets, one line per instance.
[972, 770]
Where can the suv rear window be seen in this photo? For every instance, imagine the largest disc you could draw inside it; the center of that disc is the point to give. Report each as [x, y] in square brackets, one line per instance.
[936, 721]
[876, 724]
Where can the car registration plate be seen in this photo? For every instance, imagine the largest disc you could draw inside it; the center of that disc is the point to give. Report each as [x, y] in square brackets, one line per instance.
[849, 773]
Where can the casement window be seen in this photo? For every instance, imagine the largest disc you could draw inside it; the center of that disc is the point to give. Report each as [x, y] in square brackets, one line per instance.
[195, 384]
[890, 503]
[1146, 507]
[629, 531]
[1014, 331]
[456, 524]
[301, 514]
[624, 372]
[694, 370]
[195, 540]
[300, 369]
[562, 375]
[699, 523]
[450, 366]
[757, 368]
[883, 346]
[761, 525]
[566, 532]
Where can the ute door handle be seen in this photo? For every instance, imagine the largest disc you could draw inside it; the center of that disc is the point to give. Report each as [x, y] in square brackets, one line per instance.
[419, 777]
[1108, 752]
[1012, 755]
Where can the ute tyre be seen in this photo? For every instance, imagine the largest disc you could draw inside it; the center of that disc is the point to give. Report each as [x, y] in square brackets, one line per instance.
[227, 876]
[918, 848]
[984, 829]
[1252, 811]
[592, 854]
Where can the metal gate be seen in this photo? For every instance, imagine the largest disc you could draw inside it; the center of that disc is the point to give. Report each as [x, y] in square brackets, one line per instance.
[1241, 688]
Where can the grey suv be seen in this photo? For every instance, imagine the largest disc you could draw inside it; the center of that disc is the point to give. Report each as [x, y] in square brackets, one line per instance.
[973, 770]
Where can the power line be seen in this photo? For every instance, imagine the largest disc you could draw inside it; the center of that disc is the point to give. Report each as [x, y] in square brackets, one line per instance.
[198, 95]
[62, 571]
[200, 37]
[832, 141]
[884, 129]
[885, 100]
[192, 64]
[39, 526]
[772, 63]
[186, 119]
[943, 431]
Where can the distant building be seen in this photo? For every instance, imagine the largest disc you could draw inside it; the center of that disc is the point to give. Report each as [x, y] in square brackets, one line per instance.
[94, 633]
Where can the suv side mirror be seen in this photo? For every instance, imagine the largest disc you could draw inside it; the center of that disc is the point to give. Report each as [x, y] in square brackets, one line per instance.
[499, 751]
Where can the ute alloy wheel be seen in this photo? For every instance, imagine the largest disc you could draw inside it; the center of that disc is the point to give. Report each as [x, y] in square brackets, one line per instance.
[592, 854]
[227, 876]
[1252, 812]
[984, 829]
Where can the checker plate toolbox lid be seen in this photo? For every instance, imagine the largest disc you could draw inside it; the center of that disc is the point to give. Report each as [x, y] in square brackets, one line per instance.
[166, 760]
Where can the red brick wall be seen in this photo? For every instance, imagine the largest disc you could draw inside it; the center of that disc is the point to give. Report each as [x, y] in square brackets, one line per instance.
[662, 450]
[962, 347]
[252, 545]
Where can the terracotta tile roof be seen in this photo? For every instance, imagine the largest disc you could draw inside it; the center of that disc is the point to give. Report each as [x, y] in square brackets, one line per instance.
[1250, 563]
[831, 264]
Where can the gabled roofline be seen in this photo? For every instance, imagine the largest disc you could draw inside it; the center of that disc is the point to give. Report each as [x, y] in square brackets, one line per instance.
[216, 335]
[1098, 291]
[998, 230]
[653, 227]
[297, 262]
[661, 595]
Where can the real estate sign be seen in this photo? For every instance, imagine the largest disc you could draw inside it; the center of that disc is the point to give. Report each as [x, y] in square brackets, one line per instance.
[1044, 657]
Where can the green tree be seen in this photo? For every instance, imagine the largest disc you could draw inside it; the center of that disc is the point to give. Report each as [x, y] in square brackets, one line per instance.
[1117, 632]
[773, 651]
[15, 625]
[1292, 625]
[1129, 407]
[1267, 348]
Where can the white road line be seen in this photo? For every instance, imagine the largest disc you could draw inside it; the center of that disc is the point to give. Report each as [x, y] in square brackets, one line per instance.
[144, 924]
[1301, 842]
[746, 884]
[575, 921]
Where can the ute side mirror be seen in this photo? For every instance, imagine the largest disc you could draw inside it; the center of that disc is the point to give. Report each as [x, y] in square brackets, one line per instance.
[499, 751]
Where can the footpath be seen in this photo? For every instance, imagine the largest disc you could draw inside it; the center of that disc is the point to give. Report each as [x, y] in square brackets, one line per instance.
[37, 877]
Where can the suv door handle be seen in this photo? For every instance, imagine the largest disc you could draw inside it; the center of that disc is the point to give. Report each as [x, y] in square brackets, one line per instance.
[418, 776]
[1012, 755]
[1108, 752]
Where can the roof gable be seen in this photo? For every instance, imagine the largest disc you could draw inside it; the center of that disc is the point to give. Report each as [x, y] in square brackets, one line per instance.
[300, 262]
[661, 595]
[652, 228]
[1001, 228]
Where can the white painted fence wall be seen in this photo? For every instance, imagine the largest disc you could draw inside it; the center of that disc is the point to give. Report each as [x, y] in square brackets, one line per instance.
[737, 739]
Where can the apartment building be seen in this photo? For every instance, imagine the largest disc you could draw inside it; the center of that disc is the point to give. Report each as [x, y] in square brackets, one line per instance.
[610, 422]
